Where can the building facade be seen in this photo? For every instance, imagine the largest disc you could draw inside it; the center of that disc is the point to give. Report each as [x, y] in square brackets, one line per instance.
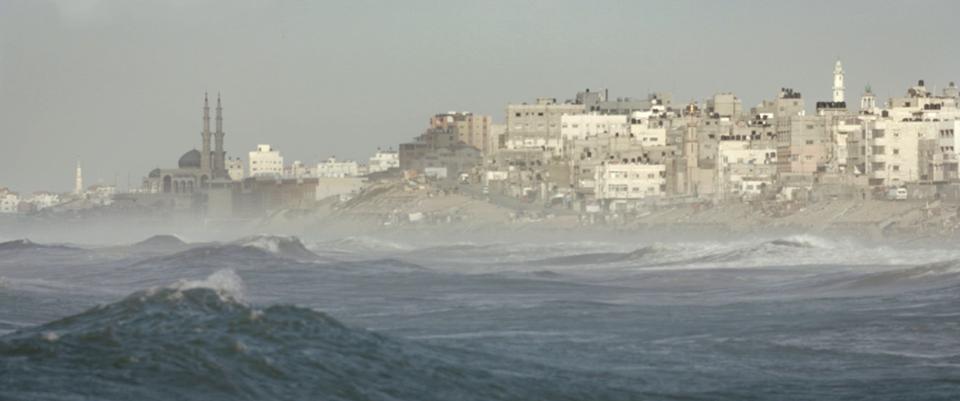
[265, 161]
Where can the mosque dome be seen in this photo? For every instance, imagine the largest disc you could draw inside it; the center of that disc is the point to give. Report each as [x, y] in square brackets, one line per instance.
[190, 159]
[155, 173]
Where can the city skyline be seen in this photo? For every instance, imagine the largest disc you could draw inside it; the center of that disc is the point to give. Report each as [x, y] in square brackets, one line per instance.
[291, 84]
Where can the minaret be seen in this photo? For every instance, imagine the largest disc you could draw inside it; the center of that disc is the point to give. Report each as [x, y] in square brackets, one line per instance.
[838, 82]
[205, 135]
[219, 156]
[868, 102]
[78, 183]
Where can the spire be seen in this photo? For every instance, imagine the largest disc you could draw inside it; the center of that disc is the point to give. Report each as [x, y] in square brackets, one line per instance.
[78, 183]
[838, 87]
[206, 113]
[219, 115]
[205, 162]
[219, 156]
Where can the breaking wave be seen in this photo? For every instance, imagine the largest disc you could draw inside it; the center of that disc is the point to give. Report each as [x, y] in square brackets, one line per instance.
[284, 246]
[199, 341]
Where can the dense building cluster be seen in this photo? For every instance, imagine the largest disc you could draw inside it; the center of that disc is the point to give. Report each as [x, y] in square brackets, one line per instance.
[594, 151]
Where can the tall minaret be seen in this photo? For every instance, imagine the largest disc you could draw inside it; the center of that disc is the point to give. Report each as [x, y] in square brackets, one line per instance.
[78, 181]
[205, 152]
[219, 162]
[838, 82]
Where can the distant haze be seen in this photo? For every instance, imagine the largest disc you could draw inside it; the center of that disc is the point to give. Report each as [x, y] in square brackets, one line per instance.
[118, 84]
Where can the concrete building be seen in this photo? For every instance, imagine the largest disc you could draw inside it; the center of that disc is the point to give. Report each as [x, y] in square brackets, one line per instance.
[439, 146]
[919, 104]
[893, 156]
[629, 181]
[804, 144]
[579, 126]
[265, 161]
[724, 105]
[298, 169]
[333, 168]
[537, 126]
[744, 171]
[383, 160]
[599, 102]
[789, 103]
[471, 129]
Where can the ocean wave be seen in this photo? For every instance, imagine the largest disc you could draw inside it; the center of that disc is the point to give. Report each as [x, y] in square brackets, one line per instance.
[160, 242]
[259, 249]
[285, 246]
[644, 254]
[362, 243]
[941, 273]
[198, 340]
[27, 245]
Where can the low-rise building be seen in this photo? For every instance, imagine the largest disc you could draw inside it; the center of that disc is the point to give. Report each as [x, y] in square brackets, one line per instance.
[629, 181]
[265, 161]
[43, 199]
[383, 160]
[9, 201]
[333, 168]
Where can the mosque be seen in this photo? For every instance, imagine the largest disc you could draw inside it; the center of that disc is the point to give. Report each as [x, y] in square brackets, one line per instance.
[197, 169]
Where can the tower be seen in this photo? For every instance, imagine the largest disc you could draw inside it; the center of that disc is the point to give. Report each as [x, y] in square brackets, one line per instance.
[219, 160]
[205, 164]
[78, 180]
[868, 102]
[838, 82]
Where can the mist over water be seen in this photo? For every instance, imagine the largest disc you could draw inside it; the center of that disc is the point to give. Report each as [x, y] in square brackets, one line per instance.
[385, 317]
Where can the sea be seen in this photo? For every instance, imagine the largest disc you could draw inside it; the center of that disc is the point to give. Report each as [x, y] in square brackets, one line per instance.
[267, 317]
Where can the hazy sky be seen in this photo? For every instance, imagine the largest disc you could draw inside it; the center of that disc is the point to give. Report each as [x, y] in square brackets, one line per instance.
[119, 84]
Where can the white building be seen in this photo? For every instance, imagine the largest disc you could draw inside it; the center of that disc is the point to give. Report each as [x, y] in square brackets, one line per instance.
[265, 161]
[298, 170]
[235, 169]
[893, 150]
[42, 200]
[629, 181]
[9, 201]
[579, 126]
[645, 132]
[383, 160]
[101, 194]
[745, 171]
[332, 168]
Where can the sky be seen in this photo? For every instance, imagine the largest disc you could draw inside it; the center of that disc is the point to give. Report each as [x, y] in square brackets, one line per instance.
[119, 84]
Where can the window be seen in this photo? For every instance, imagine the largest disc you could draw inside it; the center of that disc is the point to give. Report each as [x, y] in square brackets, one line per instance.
[896, 151]
[895, 168]
[809, 141]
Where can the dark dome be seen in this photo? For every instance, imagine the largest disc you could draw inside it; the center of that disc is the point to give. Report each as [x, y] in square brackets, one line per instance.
[155, 173]
[190, 159]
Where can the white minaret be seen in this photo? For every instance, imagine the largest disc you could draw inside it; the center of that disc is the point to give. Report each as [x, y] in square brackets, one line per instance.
[838, 82]
[78, 183]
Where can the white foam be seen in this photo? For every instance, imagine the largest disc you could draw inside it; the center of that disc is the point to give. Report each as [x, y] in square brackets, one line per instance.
[225, 282]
